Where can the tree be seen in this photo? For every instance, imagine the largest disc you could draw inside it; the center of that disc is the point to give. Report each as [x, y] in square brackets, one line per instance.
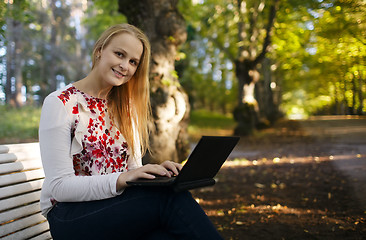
[241, 30]
[166, 29]
[14, 20]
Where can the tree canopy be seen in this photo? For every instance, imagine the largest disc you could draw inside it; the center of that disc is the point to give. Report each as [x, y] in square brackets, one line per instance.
[314, 62]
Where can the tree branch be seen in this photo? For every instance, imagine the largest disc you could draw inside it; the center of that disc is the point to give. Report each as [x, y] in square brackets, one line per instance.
[267, 40]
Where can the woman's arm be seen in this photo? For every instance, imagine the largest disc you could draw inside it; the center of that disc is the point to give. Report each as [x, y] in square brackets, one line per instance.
[55, 145]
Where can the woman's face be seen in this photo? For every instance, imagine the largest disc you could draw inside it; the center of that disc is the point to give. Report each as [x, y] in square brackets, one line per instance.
[119, 60]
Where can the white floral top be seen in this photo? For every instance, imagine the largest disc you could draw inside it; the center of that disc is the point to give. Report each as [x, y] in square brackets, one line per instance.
[82, 151]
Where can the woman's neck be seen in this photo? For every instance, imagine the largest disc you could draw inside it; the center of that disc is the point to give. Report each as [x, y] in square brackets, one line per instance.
[91, 86]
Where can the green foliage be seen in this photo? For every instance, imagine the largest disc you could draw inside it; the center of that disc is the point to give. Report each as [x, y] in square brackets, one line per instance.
[105, 14]
[206, 71]
[19, 10]
[19, 124]
[317, 54]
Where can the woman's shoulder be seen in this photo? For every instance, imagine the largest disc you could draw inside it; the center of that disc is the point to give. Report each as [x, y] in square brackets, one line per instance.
[66, 94]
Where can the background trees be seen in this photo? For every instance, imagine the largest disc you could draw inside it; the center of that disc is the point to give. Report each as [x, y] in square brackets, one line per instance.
[314, 62]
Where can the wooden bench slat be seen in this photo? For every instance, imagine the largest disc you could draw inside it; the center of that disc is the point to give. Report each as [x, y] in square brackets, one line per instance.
[13, 190]
[23, 147]
[19, 166]
[4, 149]
[43, 236]
[23, 152]
[21, 224]
[21, 179]
[7, 157]
[28, 232]
[20, 200]
[19, 212]
[9, 179]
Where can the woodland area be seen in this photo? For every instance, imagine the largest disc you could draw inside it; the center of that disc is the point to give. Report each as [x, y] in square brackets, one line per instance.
[257, 63]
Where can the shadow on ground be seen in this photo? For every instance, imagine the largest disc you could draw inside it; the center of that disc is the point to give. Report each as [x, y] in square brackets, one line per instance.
[299, 180]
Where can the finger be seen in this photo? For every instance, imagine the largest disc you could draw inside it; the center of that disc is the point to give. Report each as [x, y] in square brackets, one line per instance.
[156, 169]
[172, 166]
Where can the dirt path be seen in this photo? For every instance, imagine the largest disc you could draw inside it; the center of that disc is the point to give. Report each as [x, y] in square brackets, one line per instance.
[298, 180]
[348, 135]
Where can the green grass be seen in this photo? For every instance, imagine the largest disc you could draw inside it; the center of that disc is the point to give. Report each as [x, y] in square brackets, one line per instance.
[19, 125]
[203, 122]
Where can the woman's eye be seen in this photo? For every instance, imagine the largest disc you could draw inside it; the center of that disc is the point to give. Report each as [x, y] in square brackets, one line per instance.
[133, 62]
[119, 54]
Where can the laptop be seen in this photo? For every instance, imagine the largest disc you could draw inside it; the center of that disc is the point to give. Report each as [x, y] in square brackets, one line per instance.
[201, 167]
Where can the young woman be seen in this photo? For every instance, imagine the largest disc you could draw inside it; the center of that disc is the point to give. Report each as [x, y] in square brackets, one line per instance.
[92, 135]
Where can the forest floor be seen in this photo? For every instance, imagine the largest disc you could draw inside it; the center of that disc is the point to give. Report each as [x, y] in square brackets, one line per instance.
[303, 179]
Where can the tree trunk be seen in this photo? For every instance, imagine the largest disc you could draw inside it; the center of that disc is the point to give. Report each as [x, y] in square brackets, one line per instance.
[360, 95]
[166, 29]
[14, 81]
[247, 112]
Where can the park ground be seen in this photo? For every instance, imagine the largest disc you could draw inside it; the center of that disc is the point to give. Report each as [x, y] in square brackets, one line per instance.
[303, 179]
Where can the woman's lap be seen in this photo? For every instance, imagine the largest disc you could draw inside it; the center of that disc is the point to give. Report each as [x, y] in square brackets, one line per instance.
[139, 212]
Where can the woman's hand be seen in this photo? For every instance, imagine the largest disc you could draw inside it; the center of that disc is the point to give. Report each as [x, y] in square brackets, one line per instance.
[148, 171]
[172, 167]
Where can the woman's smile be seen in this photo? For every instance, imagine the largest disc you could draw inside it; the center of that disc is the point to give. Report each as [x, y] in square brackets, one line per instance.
[118, 74]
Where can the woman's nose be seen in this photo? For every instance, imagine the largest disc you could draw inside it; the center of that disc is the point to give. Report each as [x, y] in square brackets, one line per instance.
[123, 64]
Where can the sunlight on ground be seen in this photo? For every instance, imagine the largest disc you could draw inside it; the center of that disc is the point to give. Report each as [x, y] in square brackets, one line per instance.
[288, 160]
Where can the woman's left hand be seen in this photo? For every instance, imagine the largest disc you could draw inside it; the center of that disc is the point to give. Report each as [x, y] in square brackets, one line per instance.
[173, 167]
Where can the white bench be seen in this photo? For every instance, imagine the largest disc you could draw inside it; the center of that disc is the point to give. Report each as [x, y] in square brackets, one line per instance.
[21, 178]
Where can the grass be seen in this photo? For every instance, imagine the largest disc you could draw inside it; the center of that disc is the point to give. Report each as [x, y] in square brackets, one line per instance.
[21, 125]
[204, 122]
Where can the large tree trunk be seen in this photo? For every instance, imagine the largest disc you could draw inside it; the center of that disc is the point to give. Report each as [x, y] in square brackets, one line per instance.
[166, 29]
[14, 80]
[247, 113]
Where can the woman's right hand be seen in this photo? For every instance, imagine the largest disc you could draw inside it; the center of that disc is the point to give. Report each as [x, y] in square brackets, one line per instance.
[148, 171]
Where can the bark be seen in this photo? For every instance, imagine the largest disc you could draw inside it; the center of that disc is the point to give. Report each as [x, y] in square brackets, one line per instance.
[166, 29]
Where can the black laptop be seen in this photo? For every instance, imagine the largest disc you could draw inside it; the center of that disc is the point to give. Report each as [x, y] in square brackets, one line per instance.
[201, 167]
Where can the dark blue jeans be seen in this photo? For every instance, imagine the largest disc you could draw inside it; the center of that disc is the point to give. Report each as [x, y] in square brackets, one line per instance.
[139, 213]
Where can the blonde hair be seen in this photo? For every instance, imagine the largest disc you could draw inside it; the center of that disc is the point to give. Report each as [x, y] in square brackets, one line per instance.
[129, 103]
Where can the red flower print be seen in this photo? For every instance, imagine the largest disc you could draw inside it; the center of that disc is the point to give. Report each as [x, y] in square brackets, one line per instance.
[105, 137]
[92, 138]
[65, 95]
[75, 110]
[90, 122]
[97, 153]
[100, 106]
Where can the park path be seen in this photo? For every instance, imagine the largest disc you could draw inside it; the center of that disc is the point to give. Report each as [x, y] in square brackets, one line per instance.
[346, 137]
[339, 139]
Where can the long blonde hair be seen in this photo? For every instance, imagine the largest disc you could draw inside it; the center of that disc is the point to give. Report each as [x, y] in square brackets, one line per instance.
[129, 103]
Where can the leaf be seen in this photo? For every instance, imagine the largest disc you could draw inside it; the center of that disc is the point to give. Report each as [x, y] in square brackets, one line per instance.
[259, 185]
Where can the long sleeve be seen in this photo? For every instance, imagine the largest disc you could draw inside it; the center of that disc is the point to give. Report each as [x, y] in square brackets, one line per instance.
[61, 183]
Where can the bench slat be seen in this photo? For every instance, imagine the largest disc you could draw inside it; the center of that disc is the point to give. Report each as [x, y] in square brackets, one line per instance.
[9, 179]
[21, 179]
[4, 149]
[20, 166]
[13, 190]
[20, 200]
[7, 157]
[19, 212]
[21, 224]
[28, 232]
[23, 147]
[43, 236]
